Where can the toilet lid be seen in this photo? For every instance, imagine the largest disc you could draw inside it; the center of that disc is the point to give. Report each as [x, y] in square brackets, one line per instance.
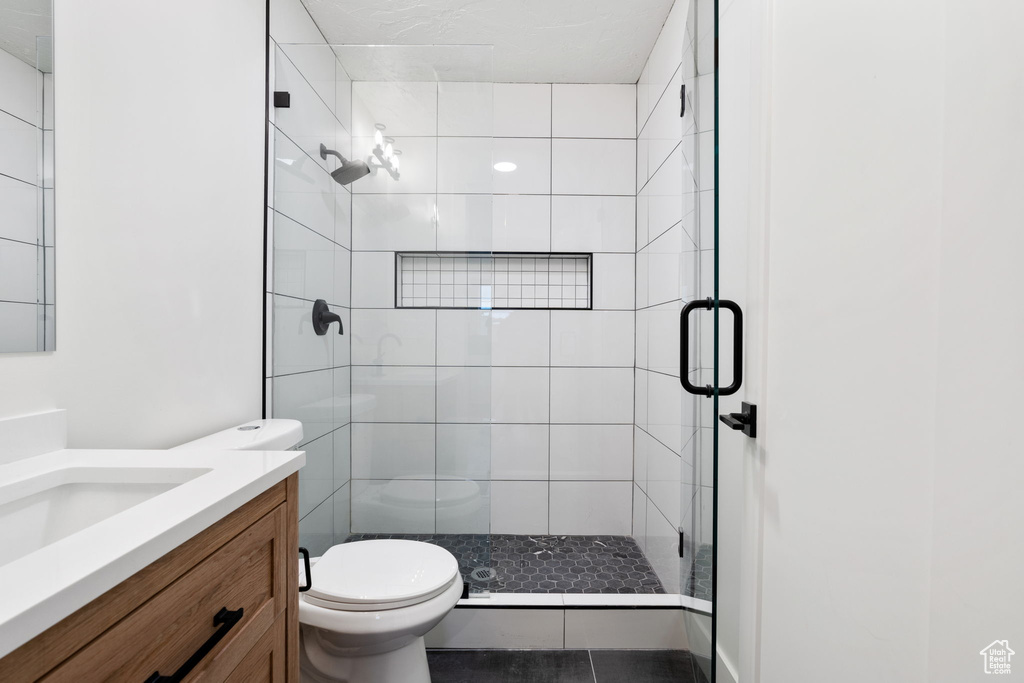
[383, 572]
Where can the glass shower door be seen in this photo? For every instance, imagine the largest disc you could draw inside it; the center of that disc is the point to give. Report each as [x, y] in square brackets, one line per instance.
[703, 324]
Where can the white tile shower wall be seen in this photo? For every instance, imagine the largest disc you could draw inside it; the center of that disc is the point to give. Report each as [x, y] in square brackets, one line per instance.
[667, 276]
[309, 223]
[535, 406]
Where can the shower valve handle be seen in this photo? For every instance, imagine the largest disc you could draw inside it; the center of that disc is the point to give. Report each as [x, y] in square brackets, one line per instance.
[323, 317]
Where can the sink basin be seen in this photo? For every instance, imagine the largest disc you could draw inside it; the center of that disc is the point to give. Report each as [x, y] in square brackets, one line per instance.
[74, 523]
[42, 510]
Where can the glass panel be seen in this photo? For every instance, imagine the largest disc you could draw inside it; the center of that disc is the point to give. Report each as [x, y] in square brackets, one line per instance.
[707, 70]
[410, 387]
[699, 457]
[309, 219]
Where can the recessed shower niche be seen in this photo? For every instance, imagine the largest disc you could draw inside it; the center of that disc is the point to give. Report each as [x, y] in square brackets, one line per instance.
[498, 280]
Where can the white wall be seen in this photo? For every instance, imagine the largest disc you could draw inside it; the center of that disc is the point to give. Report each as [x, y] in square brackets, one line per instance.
[976, 592]
[890, 477]
[160, 130]
[850, 428]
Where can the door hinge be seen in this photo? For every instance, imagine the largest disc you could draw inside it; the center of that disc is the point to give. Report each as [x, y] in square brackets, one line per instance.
[682, 543]
[282, 99]
[682, 101]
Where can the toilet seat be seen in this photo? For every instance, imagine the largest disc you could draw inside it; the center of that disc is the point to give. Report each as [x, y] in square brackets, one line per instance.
[377, 575]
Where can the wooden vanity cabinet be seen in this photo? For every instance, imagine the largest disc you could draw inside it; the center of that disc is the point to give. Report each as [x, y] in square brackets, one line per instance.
[224, 602]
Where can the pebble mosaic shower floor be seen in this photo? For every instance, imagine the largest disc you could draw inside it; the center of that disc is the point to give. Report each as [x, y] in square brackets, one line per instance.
[544, 564]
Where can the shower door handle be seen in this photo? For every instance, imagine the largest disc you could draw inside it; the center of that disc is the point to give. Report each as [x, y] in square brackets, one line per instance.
[737, 346]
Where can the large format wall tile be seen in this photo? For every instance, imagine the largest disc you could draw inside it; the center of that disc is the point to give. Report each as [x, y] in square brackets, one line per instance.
[591, 507]
[593, 111]
[399, 506]
[522, 222]
[592, 223]
[592, 338]
[20, 95]
[19, 207]
[297, 348]
[389, 336]
[18, 139]
[309, 398]
[595, 166]
[387, 451]
[532, 158]
[393, 394]
[19, 272]
[519, 507]
[304, 191]
[418, 171]
[591, 452]
[465, 109]
[592, 395]
[522, 110]
[309, 121]
[385, 222]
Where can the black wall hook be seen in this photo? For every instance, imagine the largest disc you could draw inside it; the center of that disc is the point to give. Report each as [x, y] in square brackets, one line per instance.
[323, 317]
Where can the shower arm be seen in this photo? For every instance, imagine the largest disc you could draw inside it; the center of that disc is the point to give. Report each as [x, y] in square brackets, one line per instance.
[324, 152]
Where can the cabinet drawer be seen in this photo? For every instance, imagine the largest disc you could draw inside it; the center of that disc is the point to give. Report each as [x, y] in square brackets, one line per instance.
[247, 573]
[265, 662]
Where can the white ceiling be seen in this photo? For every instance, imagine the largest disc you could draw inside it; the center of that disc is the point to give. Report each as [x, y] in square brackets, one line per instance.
[535, 41]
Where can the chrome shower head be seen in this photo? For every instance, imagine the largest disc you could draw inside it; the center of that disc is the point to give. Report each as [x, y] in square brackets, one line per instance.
[349, 170]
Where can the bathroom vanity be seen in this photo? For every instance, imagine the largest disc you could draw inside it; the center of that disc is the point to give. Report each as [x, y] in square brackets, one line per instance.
[144, 565]
[159, 620]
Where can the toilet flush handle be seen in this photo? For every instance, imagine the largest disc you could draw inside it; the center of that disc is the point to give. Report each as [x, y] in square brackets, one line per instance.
[306, 569]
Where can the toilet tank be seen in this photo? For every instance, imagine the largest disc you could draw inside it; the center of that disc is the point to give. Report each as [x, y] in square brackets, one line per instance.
[258, 435]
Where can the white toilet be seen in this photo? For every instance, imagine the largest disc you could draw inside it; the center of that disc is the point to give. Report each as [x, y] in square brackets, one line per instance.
[258, 435]
[371, 602]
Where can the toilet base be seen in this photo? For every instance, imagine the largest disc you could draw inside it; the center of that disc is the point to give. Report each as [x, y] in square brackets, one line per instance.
[407, 664]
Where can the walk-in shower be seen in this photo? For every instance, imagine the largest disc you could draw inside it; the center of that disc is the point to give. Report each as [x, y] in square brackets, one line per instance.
[508, 386]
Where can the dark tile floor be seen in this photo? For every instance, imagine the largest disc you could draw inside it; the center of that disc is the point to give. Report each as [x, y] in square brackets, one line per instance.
[508, 563]
[563, 666]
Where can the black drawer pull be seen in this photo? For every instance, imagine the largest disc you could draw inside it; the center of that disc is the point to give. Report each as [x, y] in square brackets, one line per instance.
[226, 619]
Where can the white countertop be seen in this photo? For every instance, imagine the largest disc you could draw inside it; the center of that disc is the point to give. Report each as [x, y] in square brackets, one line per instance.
[45, 586]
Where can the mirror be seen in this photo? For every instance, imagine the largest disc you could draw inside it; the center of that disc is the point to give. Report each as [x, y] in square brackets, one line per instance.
[26, 176]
